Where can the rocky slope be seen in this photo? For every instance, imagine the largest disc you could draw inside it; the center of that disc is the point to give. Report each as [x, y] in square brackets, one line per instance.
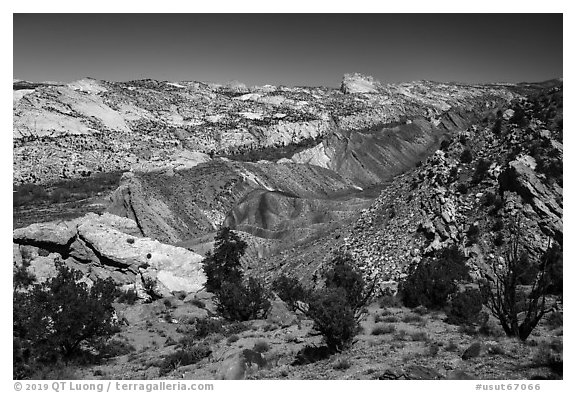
[490, 177]
[471, 192]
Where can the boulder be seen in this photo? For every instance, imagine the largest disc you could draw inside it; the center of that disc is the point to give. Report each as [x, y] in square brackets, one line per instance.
[459, 375]
[472, 351]
[109, 246]
[417, 372]
[43, 268]
[204, 300]
[522, 178]
[176, 268]
[241, 364]
[279, 314]
[412, 372]
[45, 233]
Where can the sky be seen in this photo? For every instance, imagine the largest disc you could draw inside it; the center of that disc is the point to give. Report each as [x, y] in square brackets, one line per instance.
[288, 49]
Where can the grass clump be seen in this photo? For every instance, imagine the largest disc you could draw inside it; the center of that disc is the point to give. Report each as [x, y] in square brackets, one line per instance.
[383, 329]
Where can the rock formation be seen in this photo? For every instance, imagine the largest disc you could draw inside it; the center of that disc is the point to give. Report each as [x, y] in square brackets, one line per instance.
[108, 246]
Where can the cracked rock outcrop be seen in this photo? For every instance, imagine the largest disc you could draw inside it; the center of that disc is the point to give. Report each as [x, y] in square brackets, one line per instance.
[108, 246]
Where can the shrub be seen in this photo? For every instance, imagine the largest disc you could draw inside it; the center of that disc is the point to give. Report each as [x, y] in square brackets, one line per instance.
[466, 156]
[232, 339]
[206, 326]
[236, 327]
[22, 278]
[430, 282]
[498, 225]
[201, 328]
[223, 264]
[498, 204]
[343, 275]
[261, 346]
[489, 199]
[444, 145]
[149, 284]
[519, 117]
[55, 318]
[502, 294]
[333, 317]
[550, 354]
[337, 308]
[472, 234]
[465, 307]
[184, 357]
[115, 347]
[59, 195]
[389, 301]
[198, 303]
[420, 310]
[433, 349]
[419, 336]
[129, 297]
[488, 328]
[342, 364]
[499, 240]
[481, 170]
[452, 347]
[239, 302]
[168, 303]
[554, 261]
[290, 291]
[400, 335]
[497, 128]
[389, 319]
[470, 330]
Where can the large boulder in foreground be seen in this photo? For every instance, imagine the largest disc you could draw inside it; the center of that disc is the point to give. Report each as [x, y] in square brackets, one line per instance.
[111, 246]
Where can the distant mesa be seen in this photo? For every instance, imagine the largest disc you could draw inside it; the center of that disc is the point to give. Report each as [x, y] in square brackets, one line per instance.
[359, 83]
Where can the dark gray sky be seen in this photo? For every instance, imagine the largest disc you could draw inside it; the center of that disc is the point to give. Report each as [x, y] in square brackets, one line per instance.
[289, 49]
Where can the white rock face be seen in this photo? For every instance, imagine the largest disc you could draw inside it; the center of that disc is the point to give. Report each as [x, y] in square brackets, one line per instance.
[315, 156]
[88, 85]
[358, 83]
[108, 243]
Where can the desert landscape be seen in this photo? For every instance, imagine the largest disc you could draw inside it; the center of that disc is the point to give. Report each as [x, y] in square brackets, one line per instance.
[204, 230]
